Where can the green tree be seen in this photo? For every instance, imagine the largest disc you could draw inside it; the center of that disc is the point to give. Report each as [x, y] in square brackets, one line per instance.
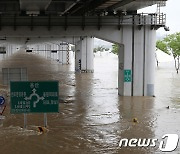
[162, 46]
[101, 49]
[172, 43]
[115, 49]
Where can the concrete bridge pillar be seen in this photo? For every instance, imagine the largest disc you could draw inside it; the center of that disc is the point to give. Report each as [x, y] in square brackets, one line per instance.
[150, 44]
[48, 51]
[63, 49]
[43, 52]
[84, 57]
[38, 48]
[53, 51]
[9, 50]
[136, 61]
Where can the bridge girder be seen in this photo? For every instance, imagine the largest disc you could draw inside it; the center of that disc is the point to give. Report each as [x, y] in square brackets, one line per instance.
[72, 7]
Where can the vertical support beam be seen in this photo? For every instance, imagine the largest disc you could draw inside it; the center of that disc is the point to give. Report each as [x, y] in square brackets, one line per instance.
[37, 49]
[44, 48]
[150, 38]
[67, 53]
[78, 56]
[132, 72]
[45, 119]
[121, 71]
[45, 52]
[59, 53]
[11, 49]
[6, 49]
[25, 120]
[137, 61]
[40, 48]
[144, 54]
[84, 57]
[48, 51]
[63, 53]
[127, 41]
[89, 54]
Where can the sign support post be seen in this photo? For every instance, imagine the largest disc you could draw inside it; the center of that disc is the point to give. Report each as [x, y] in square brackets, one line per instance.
[45, 119]
[25, 120]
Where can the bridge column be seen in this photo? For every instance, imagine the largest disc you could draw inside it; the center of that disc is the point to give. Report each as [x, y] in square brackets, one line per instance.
[84, 57]
[48, 51]
[53, 54]
[9, 50]
[43, 53]
[63, 54]
[149, 79]
[136, 61]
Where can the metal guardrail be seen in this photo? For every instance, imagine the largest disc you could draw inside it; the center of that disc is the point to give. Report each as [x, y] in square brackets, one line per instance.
[152, 19]
[82, 21]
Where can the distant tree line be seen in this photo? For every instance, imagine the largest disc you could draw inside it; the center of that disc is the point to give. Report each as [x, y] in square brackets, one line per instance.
[171, 45]
[115, 49]
[100, 49]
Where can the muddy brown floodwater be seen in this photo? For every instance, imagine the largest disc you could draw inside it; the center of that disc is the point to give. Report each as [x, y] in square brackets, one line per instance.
[92, 118]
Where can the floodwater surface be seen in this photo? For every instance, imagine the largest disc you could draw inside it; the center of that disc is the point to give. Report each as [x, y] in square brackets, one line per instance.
[92, 118]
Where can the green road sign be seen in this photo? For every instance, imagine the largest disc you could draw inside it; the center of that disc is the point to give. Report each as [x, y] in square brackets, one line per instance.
[127, 75]
[34, 97]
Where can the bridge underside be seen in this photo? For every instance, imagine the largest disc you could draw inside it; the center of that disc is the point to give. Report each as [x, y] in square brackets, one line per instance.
[73, 7]
[77, 22]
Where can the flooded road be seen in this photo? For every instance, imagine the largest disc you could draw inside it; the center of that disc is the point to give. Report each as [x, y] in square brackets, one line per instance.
[92, 118]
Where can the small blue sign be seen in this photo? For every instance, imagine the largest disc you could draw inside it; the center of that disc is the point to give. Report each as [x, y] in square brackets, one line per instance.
[2, 100]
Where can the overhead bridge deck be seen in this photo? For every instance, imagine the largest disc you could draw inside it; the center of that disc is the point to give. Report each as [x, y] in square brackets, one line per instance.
[28, 22]
[154, 20]
[74, 7]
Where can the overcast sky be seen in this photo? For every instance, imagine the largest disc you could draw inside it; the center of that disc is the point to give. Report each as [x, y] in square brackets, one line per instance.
[172, 11]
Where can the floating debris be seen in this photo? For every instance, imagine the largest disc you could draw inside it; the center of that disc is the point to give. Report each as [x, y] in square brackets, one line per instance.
[135, 120]
[42, 129]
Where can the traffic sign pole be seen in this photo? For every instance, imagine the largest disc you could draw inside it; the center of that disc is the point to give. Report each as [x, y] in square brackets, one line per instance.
[25, 120]
[45, 119]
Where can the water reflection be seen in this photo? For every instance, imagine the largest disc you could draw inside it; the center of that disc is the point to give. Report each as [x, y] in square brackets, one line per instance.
[92, 118]
[167, 102]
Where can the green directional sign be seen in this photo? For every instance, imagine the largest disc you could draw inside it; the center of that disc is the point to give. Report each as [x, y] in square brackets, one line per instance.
[127, 75]
[34, 97]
